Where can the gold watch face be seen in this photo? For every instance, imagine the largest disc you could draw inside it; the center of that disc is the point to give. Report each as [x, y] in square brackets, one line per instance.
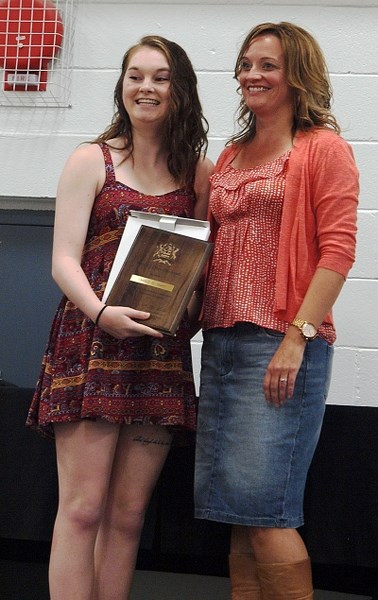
[309, 331]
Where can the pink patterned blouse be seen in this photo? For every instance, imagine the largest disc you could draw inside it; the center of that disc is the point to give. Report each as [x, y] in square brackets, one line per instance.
[247, 205]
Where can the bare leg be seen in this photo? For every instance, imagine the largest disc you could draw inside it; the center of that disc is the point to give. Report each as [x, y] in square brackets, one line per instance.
[275, 545]
[283, 565]
[139, 458]
[245, 584]
[240, 540]
[85, 453]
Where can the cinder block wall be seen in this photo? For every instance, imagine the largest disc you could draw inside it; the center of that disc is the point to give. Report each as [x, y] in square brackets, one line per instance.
[35, 142]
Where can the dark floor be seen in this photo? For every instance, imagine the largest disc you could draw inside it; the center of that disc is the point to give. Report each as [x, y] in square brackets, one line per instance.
[160, 576]
[28, 581]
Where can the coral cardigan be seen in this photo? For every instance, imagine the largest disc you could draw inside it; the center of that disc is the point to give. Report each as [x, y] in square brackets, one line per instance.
[318, 225]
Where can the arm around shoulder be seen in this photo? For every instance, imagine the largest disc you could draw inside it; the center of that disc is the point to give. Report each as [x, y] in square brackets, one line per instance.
[204, 170]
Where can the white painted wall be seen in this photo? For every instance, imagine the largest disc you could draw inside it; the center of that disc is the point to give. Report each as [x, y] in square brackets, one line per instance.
[35, 142]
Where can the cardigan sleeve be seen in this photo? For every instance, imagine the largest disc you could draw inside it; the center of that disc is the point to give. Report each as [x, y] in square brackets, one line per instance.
[335, 197]
[318, 227]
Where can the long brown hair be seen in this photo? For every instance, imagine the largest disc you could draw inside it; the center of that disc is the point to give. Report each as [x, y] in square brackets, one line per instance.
[185, 131]
[306, 73]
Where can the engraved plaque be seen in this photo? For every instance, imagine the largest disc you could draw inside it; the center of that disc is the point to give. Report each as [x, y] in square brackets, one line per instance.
[159, 275]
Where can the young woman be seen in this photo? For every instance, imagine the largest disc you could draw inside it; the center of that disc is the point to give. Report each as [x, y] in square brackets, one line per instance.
[112, 391]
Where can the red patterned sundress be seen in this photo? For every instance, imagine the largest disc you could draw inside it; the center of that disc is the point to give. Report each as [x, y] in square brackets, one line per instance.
[86, 373]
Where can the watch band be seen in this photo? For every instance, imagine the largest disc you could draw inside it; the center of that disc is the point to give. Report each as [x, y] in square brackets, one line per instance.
[298, 323]
[302, 325]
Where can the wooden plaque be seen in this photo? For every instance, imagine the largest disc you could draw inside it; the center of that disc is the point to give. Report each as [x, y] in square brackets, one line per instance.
[159, 275]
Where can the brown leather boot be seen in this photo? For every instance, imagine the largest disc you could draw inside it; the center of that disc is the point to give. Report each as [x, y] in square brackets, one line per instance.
[286, 581]
[243, 576]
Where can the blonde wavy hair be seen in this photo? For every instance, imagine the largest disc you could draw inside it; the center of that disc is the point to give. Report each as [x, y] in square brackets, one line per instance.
[306, 73]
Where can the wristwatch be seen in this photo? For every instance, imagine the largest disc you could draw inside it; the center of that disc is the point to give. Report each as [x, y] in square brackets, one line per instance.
[308, 330]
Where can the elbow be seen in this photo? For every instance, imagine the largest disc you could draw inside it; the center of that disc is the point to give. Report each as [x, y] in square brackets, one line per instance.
[56, 271]
[54, 275]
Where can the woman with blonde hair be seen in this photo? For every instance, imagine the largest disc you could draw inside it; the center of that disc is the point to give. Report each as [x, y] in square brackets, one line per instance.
[283, 202]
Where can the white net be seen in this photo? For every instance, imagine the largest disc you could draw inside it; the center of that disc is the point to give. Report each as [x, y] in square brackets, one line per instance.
[36, 52]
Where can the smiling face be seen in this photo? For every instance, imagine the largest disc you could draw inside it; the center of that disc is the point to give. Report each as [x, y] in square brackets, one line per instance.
[262, 78]
[146, 86]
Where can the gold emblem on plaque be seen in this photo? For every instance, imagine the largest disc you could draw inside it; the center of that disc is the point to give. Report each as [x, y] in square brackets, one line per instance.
[165, 253]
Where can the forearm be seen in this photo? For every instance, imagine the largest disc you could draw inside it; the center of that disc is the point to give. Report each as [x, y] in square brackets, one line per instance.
[71, 279]
[280, 377]
[321, 295]
[194, 310]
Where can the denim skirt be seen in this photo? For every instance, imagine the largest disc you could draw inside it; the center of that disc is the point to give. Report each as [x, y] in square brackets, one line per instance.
[252, 458]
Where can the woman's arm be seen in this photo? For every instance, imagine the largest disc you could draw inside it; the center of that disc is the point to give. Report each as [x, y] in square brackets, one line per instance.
[76, 192]
[335, 196]
[81, 180]
[321, 295]
[202, 189]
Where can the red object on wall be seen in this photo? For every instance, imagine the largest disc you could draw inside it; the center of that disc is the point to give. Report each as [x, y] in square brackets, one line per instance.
[31, 35]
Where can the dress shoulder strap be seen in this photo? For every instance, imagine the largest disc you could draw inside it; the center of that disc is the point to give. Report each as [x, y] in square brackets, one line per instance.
[109, 166]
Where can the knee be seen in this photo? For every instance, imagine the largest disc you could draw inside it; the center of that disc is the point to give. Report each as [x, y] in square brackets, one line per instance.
[133, 521]
[260, 537]
[270, 538]
[126, 519]
[84, 513]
